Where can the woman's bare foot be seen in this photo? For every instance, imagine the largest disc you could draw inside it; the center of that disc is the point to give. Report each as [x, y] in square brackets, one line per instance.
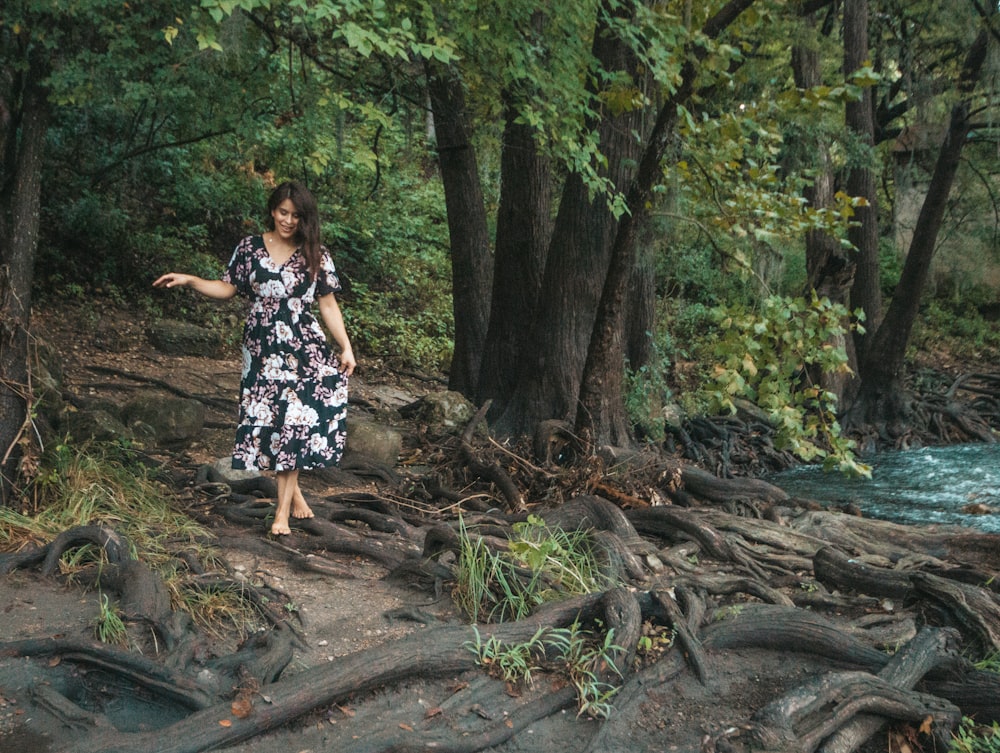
[279, 529]
[300, 508]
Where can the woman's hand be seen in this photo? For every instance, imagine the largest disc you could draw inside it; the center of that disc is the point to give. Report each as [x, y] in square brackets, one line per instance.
[211, 288]
[347, 362]
[172, 280]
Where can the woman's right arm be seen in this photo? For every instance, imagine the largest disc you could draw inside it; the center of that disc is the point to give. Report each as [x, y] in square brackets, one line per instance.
[210, 288]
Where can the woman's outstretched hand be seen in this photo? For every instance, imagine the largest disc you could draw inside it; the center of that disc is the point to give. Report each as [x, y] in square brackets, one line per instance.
[171, 280]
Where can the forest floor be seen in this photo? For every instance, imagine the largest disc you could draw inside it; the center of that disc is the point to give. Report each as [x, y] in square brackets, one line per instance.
[340, 614]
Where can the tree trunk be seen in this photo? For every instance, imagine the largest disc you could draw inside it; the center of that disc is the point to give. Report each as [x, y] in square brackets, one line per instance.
[600, 415]
[523, 230]
[866, 292]
[881, 395]
[471, 264]
[830, 272]
[23, 141]
[553, 352]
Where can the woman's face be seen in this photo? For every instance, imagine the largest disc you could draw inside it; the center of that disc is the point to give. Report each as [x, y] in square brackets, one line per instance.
[286, 220]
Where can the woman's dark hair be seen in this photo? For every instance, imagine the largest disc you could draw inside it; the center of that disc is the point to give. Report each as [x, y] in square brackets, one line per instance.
[307, 234]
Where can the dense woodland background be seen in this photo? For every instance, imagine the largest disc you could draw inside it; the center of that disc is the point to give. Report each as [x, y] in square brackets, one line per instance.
[602, 212]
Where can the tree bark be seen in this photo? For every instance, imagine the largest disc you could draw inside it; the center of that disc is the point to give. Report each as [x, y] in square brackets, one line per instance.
[881, 396]
[866, 292]
[829, 271]
[600, 414]
[471, 263]
[553, 352]
[22, 141]
[523, 231]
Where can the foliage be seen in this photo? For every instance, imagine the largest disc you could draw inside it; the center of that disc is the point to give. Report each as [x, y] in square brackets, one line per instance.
[541, 564]
[775, 357]
[975, 738]
[572, 651]
[959, 328]
[109, 627]
[82, 485]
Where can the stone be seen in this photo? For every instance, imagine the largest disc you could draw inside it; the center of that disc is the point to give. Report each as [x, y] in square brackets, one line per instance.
[95, 424]
[165, 421]
[375, 441]
[443, 412]
[178, 338]
[228, 474]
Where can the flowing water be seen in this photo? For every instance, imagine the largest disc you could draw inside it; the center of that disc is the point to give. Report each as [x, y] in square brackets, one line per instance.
[929, 485]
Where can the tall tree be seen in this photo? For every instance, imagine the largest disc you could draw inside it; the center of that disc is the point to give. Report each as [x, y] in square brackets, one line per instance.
[866, 292]
[600, 417]
[471, 261]
[554, 349]
[524, 227]
[882, 398]
[24, 113]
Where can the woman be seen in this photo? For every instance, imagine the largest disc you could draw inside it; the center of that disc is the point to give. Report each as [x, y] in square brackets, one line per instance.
[293, 401]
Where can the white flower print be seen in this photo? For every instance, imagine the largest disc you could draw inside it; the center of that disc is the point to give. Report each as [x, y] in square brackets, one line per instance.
[283, 332]
[247, 360]
[317, 443]
[260, 412]
[272, 289]
[297, 412]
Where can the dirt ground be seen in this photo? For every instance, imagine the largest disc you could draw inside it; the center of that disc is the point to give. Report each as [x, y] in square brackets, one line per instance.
[340, 615]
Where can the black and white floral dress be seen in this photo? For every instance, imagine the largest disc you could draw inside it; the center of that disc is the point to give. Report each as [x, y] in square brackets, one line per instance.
[293, 397]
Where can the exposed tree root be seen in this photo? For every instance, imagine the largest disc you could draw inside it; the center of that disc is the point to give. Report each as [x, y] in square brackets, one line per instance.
[799, 584]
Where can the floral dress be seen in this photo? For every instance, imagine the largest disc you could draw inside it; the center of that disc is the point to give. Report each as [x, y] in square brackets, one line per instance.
[293, 397]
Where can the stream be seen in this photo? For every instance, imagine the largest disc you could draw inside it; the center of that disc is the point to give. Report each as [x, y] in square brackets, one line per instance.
[929, 485]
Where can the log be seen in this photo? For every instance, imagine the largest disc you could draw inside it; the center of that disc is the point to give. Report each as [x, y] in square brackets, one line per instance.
[803, 719]
[790, 630]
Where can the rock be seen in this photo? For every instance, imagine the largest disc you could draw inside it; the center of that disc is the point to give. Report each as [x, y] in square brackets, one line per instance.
[183, 339]
[165, 421]
[375, 441]
[443, 411]
[228, 474]
[95, 424]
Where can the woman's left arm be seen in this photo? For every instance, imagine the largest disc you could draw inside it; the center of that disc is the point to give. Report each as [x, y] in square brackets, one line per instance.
[329, 309]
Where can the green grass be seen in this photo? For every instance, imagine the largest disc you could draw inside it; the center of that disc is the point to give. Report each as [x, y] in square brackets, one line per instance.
[541, 564]
[107, 485]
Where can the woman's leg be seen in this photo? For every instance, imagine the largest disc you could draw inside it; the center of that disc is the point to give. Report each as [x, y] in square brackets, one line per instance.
[287, 484]
[300, 508]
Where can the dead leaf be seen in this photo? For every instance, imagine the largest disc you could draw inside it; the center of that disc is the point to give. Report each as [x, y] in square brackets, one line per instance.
[346, 711]
[458, 686]
[242, 708]
[55, 661]
[927, 725]
[225, 722]
[436, 711]
[407, 727]
[509, 723]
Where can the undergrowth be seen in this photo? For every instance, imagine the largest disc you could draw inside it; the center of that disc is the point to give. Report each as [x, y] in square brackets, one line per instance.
[108, 485]
[541, 563]
[572, 652]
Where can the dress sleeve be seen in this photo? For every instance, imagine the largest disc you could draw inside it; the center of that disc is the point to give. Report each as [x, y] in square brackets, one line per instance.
[238, 270]
[327, 281]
